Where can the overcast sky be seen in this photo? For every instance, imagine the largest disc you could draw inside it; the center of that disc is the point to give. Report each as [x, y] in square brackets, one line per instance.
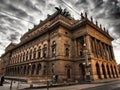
[15, 13]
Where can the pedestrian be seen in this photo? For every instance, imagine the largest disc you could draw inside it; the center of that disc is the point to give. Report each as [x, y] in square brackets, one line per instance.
[53, 78]
[2, 80]
[56, 78]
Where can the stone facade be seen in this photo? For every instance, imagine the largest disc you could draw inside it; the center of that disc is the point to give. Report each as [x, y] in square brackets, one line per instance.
[60, 45]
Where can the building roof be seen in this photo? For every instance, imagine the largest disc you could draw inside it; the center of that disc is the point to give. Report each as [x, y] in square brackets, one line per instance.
[58, 18]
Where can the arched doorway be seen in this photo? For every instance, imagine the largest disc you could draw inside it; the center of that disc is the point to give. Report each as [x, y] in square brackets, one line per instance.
[108, 71]
[82, 69]
[18, 70]
[24, 70]
[103, 69]
[33, 69]
[68, 71]
[112, 71]
[15, 71]
[28, 70]
[98, 71]
[38, 69]
[21, 68]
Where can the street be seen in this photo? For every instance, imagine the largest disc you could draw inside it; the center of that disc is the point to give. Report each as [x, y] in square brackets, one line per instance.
[107, 86]
[114, 85]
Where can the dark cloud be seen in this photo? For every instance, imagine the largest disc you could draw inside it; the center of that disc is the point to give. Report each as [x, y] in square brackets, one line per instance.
[12, 37]
[79, 2]
[11, 28]
[17, 11]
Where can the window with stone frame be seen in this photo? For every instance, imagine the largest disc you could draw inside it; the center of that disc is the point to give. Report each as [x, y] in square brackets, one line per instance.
[45, 51]
[67, 51]
[44, 70]
[38, 69]
[33, 69]
[26, 55]
[23, 57]
[34, 53]
[80, 46]
[30, 54]
[53, 48]
[53, 68]
[39, 52]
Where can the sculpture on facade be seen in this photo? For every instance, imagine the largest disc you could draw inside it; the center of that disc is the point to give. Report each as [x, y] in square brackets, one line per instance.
[63, 11]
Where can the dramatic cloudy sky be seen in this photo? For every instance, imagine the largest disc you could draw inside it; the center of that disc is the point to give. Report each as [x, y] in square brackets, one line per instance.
[14, 15]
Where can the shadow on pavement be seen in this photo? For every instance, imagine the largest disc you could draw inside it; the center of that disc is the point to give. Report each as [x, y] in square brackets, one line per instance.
[117, 88]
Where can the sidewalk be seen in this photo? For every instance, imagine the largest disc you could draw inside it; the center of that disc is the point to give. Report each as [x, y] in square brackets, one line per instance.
[43, 87]
[82, 84]
[26, 86]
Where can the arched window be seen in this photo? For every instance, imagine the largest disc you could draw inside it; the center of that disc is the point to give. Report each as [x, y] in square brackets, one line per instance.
[45, 51]
[27, 55]
[23, 57]
[53, 48]
[30, 54]
[67, 51]
[34, 55]
[39, 52]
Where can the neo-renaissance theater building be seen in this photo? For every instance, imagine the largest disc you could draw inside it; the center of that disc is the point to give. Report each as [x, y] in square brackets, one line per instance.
[60, 45]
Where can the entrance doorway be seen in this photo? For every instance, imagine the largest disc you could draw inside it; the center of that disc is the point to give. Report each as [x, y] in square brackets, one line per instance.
[108, 71]
[82, 71]
[98, 71]
[68, 73]
[104, 73]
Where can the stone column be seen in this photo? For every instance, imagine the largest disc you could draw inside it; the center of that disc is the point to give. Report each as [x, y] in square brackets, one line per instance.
[101, 49]
[48, 50]
[93, 70]
[106, 71]
[117, 70]
[113, 57]
[37, 52]
[110, 71]
[114, 71]
[101, 71]
[96, 48]
[92, 46]
[105, 54]
[76, 47]
[89, 46]
[109, 53]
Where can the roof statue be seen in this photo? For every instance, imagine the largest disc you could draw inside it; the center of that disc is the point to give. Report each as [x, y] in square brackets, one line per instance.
[63, 12]
[91, 19]
[82, 17]
[85, 14]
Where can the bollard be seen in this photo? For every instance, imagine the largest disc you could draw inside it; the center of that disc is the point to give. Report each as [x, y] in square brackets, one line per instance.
[11, 84]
